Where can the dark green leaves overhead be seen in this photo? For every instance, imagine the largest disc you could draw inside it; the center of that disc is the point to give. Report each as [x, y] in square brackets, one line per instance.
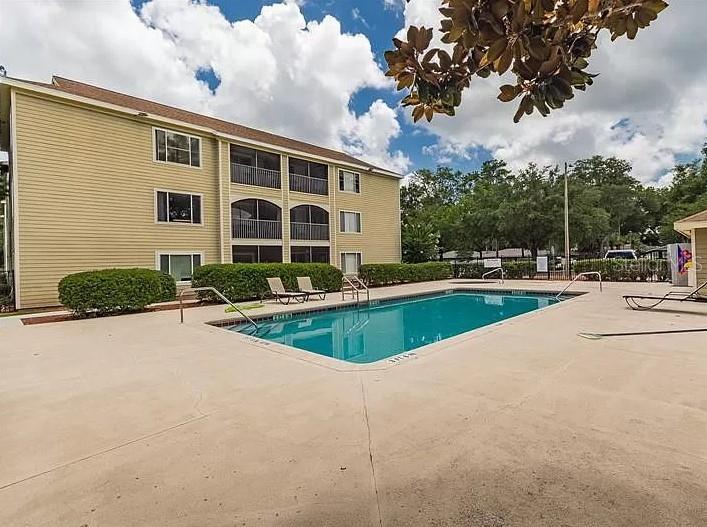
[546, 44]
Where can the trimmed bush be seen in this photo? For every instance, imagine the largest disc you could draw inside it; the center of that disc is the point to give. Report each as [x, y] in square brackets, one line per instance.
[386, 274]
[115, 290]
[619, 270]
[469, 270]
[248, 281]
[517, 270]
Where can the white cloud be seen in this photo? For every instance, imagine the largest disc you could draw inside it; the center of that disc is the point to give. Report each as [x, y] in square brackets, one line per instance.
[655, 84]
[277, 72]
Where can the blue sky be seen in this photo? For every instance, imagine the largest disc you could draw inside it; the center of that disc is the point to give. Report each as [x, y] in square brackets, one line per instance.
[379, 23]
[291, 69]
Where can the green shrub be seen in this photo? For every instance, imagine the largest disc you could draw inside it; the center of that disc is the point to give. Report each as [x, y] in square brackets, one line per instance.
[619, 270]
[517, 270]
[248, 281]
[386, 274]
[5, 294]
[469, 270]
[115, 290]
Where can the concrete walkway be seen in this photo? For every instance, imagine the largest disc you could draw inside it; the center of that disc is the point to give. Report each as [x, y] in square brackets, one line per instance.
[138, 420]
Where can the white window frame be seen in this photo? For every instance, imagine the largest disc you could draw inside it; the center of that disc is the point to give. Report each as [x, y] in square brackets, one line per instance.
[159, 254]
[183, 223]
[341, 260]
[165, 162]
[357, 174]
[360, 222]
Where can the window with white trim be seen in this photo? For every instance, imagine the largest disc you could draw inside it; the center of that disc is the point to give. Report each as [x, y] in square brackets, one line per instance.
[349, 181]
[175, 207]
[180, 266]
[350, 263]
[349, 221]
[173, 147]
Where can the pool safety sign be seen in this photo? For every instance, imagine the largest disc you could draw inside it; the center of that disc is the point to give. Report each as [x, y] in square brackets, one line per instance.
[492, 263]
[541, 264]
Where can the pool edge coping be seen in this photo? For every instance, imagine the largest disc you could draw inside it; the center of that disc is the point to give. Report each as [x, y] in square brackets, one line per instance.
[394, 360]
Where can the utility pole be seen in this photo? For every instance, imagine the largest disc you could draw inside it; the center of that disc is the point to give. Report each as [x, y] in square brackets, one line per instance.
[568, 258]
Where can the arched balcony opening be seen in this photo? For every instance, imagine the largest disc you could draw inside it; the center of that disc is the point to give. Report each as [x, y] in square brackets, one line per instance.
[256, 218]
[309, 222]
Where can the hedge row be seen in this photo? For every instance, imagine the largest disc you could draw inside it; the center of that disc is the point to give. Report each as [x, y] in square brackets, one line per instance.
[248, 281]
[386, 274]
[618, 270]
[115, 290]
[5, 298]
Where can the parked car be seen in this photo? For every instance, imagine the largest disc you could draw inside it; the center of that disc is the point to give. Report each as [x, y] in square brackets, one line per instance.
[623, 254]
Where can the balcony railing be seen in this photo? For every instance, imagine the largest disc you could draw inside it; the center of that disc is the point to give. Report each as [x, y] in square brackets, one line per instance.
[309, 231]
[263, 229]
[261, 177]
[310, 185]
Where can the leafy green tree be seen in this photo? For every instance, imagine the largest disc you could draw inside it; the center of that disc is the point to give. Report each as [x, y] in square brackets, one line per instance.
[419, 242]
[686, 195]
[546, 44]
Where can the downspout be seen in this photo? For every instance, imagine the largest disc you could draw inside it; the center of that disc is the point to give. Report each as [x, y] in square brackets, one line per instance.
[220, 204]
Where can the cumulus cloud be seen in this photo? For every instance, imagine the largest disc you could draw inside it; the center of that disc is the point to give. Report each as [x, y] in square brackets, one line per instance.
[278, 72]
[648, 104]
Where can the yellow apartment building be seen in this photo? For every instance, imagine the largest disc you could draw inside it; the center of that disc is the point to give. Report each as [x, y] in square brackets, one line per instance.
[100, 179]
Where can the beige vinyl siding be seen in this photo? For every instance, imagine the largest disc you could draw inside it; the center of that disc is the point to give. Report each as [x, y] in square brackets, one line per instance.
[87, 183]
[701, 255]
[379, 205]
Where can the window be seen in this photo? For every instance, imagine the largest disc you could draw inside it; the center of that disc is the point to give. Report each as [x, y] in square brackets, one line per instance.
[350, 262]
[349, 181]
[241, 155]
[301, 167]
[349, 221]
[257, 253]
[173, 207]
[305, 254]
[180, 266]
[173, 147]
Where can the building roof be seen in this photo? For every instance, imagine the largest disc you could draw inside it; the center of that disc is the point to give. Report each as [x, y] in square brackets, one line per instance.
[103, 95]
[696, 221]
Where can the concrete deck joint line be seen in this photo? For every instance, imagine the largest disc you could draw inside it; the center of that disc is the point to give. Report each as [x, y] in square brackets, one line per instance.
[370, 452]
[111, 449]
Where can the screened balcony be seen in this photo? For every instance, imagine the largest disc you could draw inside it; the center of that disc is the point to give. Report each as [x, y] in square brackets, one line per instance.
[308, 177]
[309, 222]
[256, 219]
[255, 167]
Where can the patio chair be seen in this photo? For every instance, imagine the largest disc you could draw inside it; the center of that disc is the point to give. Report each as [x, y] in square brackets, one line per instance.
[283, 296]
[644, 303]
[305, 285]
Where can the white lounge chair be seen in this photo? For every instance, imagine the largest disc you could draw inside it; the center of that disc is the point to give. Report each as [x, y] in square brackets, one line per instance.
[305, 285]
[283, 296]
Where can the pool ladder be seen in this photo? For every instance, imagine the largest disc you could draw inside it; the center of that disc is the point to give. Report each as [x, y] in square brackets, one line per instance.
[220, 295]
[588, 273]
[353, 284]
[483, 276]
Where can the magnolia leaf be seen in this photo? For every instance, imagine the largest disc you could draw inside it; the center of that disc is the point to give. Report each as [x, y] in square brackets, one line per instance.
[579, 9]
[417, 113]
[631, 27]
[508, 92]
[504, 61]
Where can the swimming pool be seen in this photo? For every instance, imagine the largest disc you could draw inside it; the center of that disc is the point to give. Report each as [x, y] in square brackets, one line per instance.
[375, 331]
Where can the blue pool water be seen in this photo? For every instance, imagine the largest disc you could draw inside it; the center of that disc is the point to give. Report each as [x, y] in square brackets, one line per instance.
[372, 332]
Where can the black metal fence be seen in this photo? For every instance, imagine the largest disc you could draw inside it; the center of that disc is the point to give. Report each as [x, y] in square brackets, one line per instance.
[649, 269]
[7, 291]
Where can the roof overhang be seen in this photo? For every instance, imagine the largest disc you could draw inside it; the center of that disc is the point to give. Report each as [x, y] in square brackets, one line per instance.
[686, 227]
[51, 92]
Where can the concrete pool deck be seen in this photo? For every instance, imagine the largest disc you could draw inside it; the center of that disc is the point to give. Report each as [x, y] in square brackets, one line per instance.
[138, 420]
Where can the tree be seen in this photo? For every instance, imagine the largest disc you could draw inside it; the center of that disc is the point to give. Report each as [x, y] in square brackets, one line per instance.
[546, 44]
[419, 242]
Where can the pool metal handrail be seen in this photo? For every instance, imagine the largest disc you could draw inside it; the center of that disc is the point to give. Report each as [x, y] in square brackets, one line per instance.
[483, 276]
[220, 295]
[587, 273]
[356, 287]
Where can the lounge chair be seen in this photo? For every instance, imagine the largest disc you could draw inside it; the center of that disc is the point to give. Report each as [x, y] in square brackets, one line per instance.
[283, 296]
[644, 303]
[305, 285]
